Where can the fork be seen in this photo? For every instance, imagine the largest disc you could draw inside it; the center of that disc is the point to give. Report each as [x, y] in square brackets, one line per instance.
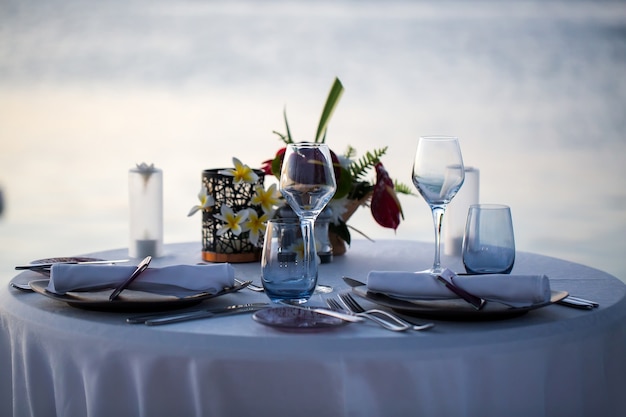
[259, 288]
[251, 286]
[336, 306]
[352, 305]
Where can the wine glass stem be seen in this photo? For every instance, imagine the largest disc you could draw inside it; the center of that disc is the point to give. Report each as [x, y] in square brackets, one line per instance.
[438, 212]
[308, 232]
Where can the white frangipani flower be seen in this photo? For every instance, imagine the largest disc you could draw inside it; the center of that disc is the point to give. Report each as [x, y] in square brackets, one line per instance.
[241, 173]
[232, 221]
[206, 201]
[256, 225]
[267, 199]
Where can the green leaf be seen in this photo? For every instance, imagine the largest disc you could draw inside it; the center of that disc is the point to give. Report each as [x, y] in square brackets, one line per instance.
[344, 184]
[276, 166]
[289, 138]
[336, 91]
[281, 136]
[341, 230]
[360, 189]
[361, 233]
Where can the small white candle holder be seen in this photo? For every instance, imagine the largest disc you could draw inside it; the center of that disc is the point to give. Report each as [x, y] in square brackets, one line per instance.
[145, 192]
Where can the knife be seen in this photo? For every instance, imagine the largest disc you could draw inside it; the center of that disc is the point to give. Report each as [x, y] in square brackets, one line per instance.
[326, 312]
[140, 319]
[475, 301]
[576, 303]
[49, 265]
[582, 300]
[194, 315]
[353, 282]
[140, 268]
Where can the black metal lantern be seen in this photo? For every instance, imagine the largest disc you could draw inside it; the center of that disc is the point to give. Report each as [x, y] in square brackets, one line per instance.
[228, 247]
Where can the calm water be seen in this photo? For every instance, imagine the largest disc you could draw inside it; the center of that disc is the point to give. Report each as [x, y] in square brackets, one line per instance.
[535, 90]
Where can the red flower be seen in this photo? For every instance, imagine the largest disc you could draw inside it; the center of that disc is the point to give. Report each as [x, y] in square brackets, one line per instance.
[269, 164]
[385, 205]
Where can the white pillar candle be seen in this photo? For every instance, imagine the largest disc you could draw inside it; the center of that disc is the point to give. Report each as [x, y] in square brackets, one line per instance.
[145, 186]
[456, 214]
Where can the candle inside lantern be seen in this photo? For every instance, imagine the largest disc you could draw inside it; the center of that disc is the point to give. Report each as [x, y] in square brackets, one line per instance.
[143, 248]
[145, 186]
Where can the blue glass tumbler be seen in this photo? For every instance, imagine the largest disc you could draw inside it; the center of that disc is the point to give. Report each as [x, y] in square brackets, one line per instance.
[489, 242]
[285, 275]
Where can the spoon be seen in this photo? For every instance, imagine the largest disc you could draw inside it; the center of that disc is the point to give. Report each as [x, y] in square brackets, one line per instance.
[21, 287]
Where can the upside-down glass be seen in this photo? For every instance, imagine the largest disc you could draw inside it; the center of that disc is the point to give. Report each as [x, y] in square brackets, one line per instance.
[489, 242]
[438, 174]
[285, 276]
[307, 181]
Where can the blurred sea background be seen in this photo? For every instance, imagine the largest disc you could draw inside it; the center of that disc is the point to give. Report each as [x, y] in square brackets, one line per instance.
[535, 90]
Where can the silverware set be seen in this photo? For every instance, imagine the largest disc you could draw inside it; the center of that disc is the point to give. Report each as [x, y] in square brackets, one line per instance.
[344, 308]
[393, 326]
[352, 305]
[347, 304]
[347, 309]
[157, 319]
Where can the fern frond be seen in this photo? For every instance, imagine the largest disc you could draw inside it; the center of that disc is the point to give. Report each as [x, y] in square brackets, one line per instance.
[402, 188]
[359, 168]
[350, 152]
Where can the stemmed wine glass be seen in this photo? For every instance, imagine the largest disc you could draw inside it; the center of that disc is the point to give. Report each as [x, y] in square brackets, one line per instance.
[438, 174]
[307, 181]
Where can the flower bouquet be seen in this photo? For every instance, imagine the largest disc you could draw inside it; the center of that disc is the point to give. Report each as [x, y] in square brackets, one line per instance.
[354, 188]
[243, 223]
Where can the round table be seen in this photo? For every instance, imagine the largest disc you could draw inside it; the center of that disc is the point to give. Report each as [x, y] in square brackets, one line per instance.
[60, 360]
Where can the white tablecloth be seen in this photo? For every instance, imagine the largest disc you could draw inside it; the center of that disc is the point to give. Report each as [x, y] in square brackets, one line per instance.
[555, 361]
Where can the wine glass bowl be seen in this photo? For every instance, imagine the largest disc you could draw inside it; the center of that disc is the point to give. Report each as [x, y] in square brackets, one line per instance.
[438, 174]
[437, 190]
[307, 179]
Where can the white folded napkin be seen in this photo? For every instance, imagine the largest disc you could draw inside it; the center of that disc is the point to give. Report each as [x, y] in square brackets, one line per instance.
[512, 290]
[178, 280]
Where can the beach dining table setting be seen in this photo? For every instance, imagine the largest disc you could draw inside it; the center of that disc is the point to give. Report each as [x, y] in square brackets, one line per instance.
[280, 311]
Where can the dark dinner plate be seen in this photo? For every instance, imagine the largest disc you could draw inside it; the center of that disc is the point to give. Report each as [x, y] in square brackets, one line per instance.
[65, 259]
[22, 280]
[129, 300]
[452, 309]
